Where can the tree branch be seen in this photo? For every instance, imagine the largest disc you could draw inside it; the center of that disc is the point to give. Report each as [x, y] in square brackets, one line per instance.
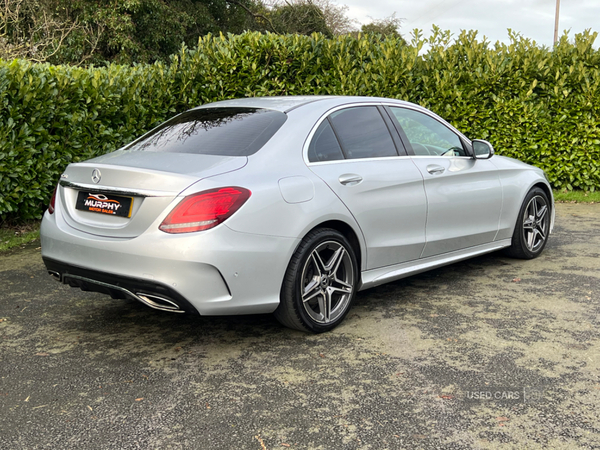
[254, 15]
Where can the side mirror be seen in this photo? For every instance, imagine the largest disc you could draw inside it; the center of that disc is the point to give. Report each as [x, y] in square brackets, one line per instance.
[482, 149]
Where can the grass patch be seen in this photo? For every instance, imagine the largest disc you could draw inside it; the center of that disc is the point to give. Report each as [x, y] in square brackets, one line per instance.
[15, 235]
[564, 196]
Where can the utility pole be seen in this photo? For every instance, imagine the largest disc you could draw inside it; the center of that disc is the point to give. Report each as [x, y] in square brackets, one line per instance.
[556, 22]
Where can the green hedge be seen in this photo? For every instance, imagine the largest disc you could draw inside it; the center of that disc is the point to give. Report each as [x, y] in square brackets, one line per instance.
[537, 104]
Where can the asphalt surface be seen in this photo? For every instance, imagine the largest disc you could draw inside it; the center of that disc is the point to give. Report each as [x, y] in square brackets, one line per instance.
[488, 353]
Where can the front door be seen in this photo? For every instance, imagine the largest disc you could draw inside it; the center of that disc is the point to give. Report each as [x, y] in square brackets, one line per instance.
[464, 195]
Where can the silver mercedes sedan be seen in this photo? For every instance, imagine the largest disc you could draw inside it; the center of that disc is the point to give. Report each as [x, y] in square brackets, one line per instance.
[288, 205]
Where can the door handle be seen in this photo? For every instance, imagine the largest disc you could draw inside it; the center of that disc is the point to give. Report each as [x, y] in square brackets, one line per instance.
[349, 179]
[435, 169]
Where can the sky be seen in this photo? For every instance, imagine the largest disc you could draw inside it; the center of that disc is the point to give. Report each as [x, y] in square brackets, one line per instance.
[532, 18]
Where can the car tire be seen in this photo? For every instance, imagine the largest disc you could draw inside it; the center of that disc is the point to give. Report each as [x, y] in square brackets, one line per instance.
[533, 226]
[320, 282]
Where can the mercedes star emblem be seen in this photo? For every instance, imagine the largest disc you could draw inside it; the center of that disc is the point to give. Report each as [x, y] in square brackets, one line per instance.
[96, 176]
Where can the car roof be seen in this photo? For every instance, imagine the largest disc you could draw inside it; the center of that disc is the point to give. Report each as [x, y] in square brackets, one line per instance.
[288, 103]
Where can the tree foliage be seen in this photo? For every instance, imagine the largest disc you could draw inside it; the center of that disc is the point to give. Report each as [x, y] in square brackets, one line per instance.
[143, 31]
[100, 31]
[301, 17]
[384, 28]
[38, 32]
[309, 16]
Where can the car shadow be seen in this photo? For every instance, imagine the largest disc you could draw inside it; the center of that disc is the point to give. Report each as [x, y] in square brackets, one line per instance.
[124, 320]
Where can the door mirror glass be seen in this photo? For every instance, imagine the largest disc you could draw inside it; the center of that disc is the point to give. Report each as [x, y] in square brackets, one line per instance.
[482, 149]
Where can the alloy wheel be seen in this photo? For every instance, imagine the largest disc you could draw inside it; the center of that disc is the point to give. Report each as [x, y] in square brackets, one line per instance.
[535, 223]
[327, 282]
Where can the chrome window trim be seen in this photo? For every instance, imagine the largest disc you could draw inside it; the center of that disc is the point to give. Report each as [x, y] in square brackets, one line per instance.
[387, 158]
[338, 161]
[440, 156]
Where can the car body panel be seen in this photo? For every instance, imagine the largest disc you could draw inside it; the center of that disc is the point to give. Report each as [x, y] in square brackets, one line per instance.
[271, 215]
[464, 202]
[296, 189]
[517, 178]
[382, 275]
[388, 203]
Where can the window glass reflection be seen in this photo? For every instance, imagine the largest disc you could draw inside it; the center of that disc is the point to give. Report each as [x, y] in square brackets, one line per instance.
[214, 131]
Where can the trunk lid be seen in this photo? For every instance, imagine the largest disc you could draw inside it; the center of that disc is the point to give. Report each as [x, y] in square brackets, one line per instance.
[122, 193]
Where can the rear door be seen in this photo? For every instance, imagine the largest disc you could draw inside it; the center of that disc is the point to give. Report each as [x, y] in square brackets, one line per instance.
[464, 195]
[353, 151]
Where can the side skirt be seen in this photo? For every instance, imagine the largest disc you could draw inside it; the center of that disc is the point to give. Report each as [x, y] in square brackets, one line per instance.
[382, 275]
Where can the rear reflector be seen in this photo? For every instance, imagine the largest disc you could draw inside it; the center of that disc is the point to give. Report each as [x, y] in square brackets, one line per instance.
[52, 201]
[204, 210]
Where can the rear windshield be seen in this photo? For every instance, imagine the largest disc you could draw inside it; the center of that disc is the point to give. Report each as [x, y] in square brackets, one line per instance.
[213, 131]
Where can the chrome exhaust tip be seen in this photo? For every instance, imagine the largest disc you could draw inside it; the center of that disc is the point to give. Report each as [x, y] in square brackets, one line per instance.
[158, 302]
[55, 275]
[155, 301]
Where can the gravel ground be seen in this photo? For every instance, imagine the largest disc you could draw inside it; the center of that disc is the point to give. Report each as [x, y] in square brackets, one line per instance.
[488, 353]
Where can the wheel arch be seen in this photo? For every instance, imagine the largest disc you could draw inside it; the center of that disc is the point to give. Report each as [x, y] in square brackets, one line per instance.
[546, 189]
[348, 232]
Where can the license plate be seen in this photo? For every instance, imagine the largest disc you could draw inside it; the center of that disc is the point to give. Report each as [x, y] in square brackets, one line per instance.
[96, 202]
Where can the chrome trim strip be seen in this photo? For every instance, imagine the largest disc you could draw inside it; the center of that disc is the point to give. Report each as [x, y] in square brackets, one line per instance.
[375, 277]
[443, 158]
[142, 299]
[376, 103]
[341, 161]
[385, 158]
[116, 190]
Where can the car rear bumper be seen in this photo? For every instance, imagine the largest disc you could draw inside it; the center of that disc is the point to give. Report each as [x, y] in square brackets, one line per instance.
[217, 272]
[152, 294]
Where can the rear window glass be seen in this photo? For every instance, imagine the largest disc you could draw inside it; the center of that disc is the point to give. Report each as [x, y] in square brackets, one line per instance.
[213, 131]
[324, 146]
[362, 133]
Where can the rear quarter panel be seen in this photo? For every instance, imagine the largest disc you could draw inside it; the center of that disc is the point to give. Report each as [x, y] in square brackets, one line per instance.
[267, 212]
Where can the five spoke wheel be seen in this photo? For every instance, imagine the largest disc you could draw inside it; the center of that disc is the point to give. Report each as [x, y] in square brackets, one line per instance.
[533, 226]
[320, 282]
[327, 282]
[535, 223]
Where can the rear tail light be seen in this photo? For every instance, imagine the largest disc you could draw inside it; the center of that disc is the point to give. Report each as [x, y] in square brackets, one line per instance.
[52, 201]
[204, 210]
